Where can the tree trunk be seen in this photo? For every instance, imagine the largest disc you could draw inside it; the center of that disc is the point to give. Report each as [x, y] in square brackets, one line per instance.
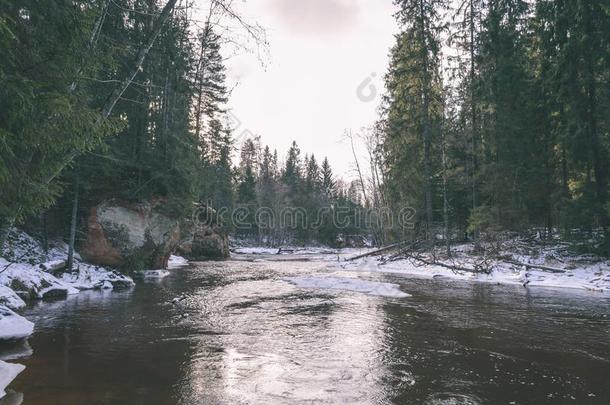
[199, 74]
[118, 92]
[45, 233]
[597, 148]
[426, 124]
[351, 139]
[445, 199]
[73, 224]
[473, 113]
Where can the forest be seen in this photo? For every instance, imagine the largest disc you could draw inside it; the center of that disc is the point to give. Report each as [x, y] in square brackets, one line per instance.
[127, 100]
[494, 119]
[185, 220]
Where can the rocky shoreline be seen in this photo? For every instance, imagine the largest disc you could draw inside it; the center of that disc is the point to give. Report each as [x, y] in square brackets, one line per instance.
[28, 273]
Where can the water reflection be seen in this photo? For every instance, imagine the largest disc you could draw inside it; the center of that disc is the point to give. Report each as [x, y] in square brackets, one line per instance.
[12, 398]
[277, 344]
[235, 332]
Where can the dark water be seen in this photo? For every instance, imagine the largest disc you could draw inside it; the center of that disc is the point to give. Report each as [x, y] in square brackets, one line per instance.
[242, 335]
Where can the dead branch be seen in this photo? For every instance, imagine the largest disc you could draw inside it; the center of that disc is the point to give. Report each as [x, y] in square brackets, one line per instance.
[534, 266]
[378, 251]
[441, 264]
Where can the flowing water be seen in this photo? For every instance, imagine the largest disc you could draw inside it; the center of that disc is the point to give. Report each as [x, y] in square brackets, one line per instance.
[236, 332]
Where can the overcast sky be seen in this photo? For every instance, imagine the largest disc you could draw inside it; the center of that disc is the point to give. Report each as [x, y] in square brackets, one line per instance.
[321, 52]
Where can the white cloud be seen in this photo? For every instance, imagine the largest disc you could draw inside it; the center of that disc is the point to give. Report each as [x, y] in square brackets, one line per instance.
[315, 17]
[308, 92]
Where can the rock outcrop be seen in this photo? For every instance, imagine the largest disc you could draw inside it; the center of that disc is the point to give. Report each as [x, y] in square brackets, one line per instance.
[130, 236]
[203, 238]
[208, 243]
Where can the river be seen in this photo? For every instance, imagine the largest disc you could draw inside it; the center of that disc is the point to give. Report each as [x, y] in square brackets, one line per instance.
[237, 332]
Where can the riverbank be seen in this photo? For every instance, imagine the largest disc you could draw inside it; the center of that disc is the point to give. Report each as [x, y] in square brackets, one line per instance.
[448, 342]
[28, 273]
[512, 264]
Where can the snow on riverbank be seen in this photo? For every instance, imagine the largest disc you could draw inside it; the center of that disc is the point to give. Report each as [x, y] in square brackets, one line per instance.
[576, 271]
[301, 250]
[8, 372]
[27, 272]
[255, 250]
[155, 274]
[349, 284]
[30, 273]
[13, 326]
[176, 262]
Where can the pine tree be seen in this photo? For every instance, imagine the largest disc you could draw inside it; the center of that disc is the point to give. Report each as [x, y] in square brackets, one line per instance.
[412, 107]
[291, 175]
[246, 188]
[40, 116]
[209, 80]
[328, 182]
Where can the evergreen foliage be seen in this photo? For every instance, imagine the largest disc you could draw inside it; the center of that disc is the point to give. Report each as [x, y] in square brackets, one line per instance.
[523, 115]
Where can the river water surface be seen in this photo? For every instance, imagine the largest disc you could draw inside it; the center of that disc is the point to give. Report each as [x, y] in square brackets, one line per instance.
[236, 332]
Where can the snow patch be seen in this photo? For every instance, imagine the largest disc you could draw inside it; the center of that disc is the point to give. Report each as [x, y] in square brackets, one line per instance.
[255, 250]
[13, 326]
[579, 272]
[176, 262]
[29, 280]
[10, 299]
[89, 277]
[32, 273]
[155, 274]
[8, 372]
[28, 272]
[349, 284]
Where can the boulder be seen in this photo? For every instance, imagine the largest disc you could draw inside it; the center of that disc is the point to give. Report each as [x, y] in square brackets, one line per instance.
[205, 242]
[209, 243]
[203, 237]
[29, 282]
[130, 236]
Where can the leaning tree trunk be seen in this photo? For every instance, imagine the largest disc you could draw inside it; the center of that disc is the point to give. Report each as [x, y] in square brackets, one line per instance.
[118, 92]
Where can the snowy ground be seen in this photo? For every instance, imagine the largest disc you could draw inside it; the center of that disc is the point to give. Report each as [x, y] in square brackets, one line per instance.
[176, 262]
[579, 271]
[300, 250]
[13, 326]
[27, 272]
[258, 250]
[30, 272]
